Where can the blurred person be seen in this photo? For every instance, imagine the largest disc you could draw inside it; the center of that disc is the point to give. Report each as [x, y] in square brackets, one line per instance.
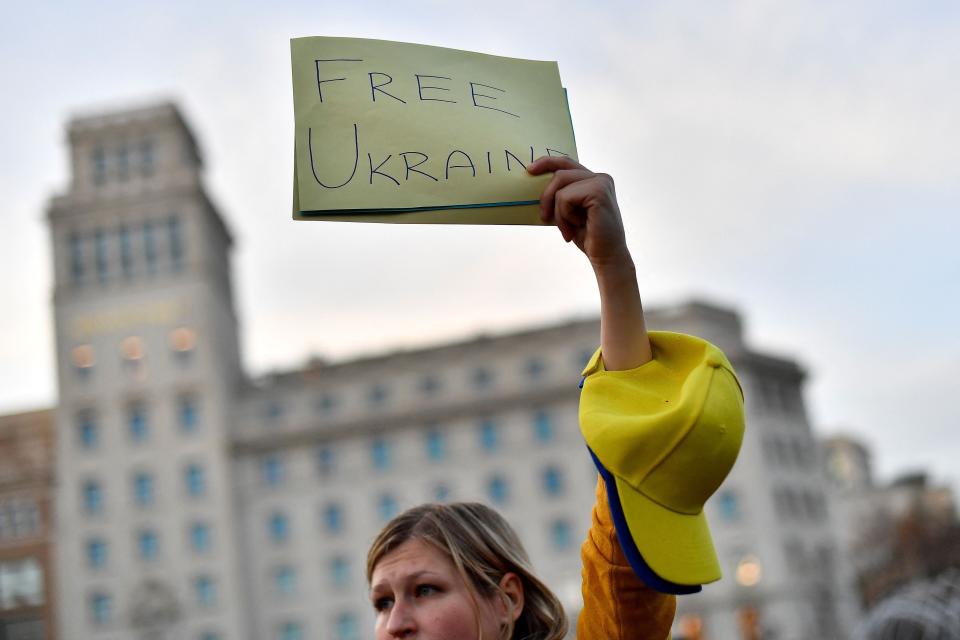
[662, 415]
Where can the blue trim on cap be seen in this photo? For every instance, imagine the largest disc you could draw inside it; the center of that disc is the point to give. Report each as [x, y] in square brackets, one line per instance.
[634, 557]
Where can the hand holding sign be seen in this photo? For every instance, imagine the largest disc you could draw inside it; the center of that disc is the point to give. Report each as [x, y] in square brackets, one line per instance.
[408, 133]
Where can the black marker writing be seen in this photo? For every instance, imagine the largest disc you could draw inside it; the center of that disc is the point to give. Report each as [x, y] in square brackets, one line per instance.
[412, 167]
[377, 170]
[374, 88]
[319, 81]
[356, 157]
[460, 166]
[474, 95]
[420, 87]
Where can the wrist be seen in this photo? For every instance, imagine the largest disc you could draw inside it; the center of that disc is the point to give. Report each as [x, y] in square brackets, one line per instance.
[614, 267]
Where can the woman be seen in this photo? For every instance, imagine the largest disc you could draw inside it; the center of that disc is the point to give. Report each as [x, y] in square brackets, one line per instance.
[459, 572]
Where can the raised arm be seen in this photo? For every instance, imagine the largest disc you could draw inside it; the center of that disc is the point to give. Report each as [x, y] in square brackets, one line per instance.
[583, 205]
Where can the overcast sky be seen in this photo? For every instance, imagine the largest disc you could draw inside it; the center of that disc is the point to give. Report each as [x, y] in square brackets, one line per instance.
[796, 161]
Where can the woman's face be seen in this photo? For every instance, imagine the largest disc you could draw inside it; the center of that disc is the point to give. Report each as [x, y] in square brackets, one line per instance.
[418, 594]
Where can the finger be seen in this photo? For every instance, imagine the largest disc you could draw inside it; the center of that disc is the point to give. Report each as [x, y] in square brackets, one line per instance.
[571, 203]
[546, 164]
[560, 179]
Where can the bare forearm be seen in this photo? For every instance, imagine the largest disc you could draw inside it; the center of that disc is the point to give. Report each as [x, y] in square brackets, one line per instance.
[623, 333]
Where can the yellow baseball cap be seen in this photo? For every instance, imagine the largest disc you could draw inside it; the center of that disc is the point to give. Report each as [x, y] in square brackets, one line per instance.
[664, 436]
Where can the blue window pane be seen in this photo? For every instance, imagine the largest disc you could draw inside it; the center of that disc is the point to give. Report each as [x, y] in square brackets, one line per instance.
[272, 470]
[347, 628]
[205, 591]
[87, 430]
[378, 395]
[76, 258]
[553, 481]
[149, 246]
[175, 241]
[535, 368]
[92, 497]
[441, 492]
[123, 162]
[199, 537]
[436, 444]
[560, 535]
[285, 580]
[279, 528]
[498, 490]
[148, 545]
[326, 461]
[96, 553]
[126, 251]
[100, 254]
[326, 403]
[143, 489]
[100, 608]
[137, 422]
[99, 159]
[380, 454]
[543, 426]
[196, 484]
[291, 631]
[188, 414]
[481, 377]
[146, 158]
[387, 506]
[729, 506]
[489, 435]
[273, 411]
[333, 518]
[429, 385]
[340, 571]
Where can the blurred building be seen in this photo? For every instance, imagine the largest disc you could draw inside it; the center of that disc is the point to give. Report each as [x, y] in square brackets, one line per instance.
[896, 533]
[27, 603]
[195, 503]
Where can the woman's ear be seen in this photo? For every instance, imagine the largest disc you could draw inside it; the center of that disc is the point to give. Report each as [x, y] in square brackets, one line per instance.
[511, 586]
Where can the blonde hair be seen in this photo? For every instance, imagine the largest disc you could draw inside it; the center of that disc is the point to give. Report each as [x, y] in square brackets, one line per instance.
[483, 547]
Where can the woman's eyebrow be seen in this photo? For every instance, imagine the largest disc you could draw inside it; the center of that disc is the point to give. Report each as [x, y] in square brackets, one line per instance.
[410, 577]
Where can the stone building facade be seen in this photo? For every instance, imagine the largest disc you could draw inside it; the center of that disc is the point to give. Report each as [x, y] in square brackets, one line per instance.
[27, 601]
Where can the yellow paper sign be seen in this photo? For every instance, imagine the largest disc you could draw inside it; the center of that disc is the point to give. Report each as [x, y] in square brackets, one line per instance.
[396, 132]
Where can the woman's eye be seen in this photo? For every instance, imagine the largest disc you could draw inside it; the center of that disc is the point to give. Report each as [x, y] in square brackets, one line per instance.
[426, 590]
[382, 604]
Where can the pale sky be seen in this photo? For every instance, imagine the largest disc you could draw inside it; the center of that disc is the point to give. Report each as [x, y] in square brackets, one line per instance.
[797, 161]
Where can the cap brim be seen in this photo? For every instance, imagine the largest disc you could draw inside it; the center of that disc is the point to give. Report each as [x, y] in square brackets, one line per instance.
[629, 546]
[677, 546]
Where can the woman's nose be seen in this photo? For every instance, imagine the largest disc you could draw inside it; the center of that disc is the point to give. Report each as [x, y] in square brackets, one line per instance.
[401, 622]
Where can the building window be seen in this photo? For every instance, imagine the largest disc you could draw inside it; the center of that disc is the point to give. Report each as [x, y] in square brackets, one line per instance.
[143, 489]
[175, 241]
[272, 470]
[137, 422]
[92, 497]
[83, 358]
[582, 358]
[489, 435]
[205, 591]
[150, 247]
[553, 481]
[387, 506]
[100, 255]
[188, 413]
[326, 461]
[560, 534]
[273, 411]
[200, 537]
[87, 432]
[279, 527]
[123, 162]
[497, 490]
[325, 403]
[729, 506]
[291, 631]
[534, 368]
[429, 385]
[347, 628]
[195, 481]
[99, 160]
[147, 160]
[380, 454]
[481, 378]
[285, 580]
[339, 571]
[96, 553]
[126, 251]
[378, 395]
[333, 518]
[210, 635]
[542, 426]
[441, 493]
[76, 258]
[100, 608]
[436, 444]
[148, 545]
